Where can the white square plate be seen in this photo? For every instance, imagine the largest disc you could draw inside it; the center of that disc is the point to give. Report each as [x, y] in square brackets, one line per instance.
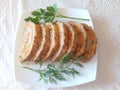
[31, 78]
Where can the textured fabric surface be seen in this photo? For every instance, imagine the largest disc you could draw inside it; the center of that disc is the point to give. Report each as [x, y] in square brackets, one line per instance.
[106, 18]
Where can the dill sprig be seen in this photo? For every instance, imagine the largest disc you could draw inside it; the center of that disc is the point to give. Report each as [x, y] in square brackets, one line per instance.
[52, 73]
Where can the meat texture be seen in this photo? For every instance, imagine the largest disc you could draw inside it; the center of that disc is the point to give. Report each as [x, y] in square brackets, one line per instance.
[52, 41]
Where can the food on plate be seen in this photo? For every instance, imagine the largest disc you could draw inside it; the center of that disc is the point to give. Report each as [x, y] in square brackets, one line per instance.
[62, 44]
[91, 43]
[52, 41]
[31, 41]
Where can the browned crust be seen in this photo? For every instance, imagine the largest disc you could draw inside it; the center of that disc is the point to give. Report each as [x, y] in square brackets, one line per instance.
[67, 41]
[91, 44]
[36, 44]
[57, 41]
[77, 48]
[47, 44]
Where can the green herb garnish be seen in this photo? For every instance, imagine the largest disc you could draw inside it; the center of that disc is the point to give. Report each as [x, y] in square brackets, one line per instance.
[48, 15]
[53, 73]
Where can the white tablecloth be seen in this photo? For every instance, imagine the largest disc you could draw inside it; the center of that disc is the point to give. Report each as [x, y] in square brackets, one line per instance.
[106, 18]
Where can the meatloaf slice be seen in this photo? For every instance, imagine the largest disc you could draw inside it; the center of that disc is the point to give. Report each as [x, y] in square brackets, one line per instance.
[70, 36]
[91, 44]
[51, 41]
[62, 37]
[67, 36]
[55, 41]
[79, 40]
[31, 42]
[46, 43]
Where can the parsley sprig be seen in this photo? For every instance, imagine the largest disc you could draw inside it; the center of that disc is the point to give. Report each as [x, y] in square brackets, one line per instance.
[48, 15]
[52, 73]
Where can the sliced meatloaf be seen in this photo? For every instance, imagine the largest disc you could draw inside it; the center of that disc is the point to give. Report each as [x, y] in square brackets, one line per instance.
[79, 39]
[52, 41]
[41, 55]
[65, 40]
[32, 39]
[55, 41]
[62, 38]
[70, 36]
[91, 43]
